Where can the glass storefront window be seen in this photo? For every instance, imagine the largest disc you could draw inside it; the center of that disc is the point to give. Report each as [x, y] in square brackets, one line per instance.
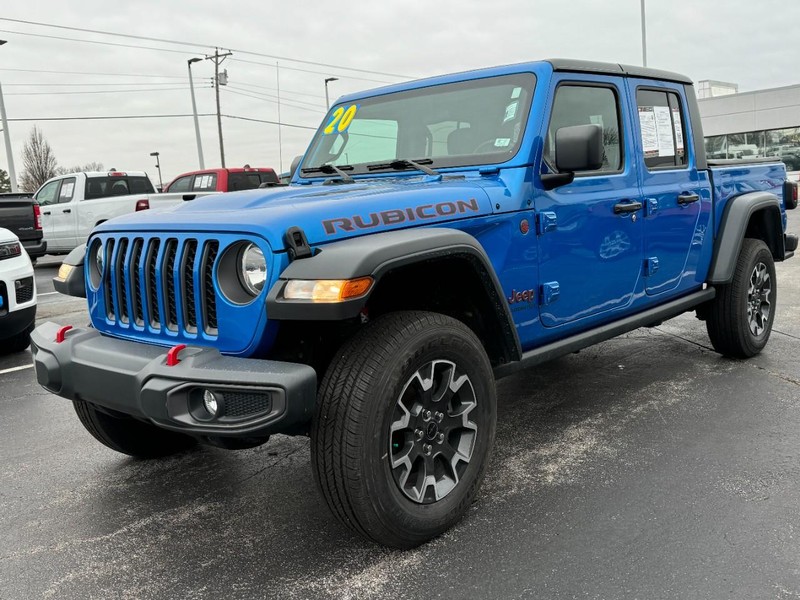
[780, 143]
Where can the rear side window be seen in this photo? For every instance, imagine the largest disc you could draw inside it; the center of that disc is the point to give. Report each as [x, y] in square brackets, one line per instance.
[587, 105]
[104, 187]
[661, 128]
[244, 181]
[205, 183]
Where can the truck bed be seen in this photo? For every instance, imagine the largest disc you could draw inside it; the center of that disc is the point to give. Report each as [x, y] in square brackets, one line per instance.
[17, 215]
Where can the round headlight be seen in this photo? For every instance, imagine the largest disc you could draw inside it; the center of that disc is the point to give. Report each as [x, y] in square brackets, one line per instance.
[253, 269]
[99, 256]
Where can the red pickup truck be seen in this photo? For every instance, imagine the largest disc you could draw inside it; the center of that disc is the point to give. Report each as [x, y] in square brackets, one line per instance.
[222, 180]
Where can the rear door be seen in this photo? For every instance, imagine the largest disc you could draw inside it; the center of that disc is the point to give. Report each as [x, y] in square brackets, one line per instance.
[590, 230]
[676, 195]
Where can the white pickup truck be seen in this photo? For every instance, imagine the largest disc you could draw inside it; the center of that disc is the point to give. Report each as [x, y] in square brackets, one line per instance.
[72, 205]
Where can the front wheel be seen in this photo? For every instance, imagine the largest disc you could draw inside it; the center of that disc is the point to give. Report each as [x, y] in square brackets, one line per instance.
[404, 424]
[128, 435]
[739, 320]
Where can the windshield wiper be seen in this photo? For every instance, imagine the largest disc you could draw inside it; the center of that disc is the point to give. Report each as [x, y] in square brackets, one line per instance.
[404, 163]
[331, 169]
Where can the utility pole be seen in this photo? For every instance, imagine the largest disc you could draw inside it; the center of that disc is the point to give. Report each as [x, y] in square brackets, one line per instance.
[644, 37]
[12, 175]
[280, 141]
[194, 112]
[218, 59]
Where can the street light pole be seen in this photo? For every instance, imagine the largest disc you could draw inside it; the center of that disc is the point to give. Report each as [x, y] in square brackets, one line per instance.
[327, 101]
[158, 166]
[644, 37]
[194, 112]
[12, 175]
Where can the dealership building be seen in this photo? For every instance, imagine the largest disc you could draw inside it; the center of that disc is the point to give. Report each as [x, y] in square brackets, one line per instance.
[751, 124]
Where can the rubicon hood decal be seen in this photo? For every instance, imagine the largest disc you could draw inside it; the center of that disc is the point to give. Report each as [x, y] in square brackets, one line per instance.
[396, 216]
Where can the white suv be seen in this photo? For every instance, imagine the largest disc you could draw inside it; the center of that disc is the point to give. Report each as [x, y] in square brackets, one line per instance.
[17, 294]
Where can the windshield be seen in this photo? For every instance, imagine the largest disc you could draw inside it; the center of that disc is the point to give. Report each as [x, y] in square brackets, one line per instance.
[458, 124]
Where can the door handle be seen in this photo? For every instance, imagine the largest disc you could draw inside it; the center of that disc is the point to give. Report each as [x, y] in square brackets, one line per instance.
[624, 208]
[684, 199]
[67, 210]
[47, 212]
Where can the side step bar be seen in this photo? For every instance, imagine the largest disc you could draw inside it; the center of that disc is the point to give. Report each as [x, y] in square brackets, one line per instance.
[605, 332]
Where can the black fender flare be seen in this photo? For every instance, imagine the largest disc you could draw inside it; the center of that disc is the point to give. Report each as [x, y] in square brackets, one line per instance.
[75, 283]
[378, 254]
[733, 227]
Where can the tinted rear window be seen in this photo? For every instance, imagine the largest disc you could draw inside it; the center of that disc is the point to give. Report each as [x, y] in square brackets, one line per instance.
[103, 187]
[250, 180]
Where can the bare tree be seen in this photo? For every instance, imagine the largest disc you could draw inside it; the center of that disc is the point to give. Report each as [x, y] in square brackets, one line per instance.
[5, 182]
[91, 166]
[39, 162]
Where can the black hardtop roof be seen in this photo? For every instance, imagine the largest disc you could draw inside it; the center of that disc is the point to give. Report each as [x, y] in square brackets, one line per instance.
[590, 66]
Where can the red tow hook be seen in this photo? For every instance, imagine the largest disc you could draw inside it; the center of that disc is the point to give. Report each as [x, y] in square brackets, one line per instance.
[61, 333]
[172, 355]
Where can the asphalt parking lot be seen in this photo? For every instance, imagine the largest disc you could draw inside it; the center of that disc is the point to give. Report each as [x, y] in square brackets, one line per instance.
[645, 467]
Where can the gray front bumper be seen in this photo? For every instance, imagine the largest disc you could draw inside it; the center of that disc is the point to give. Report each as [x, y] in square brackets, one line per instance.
[133, 378]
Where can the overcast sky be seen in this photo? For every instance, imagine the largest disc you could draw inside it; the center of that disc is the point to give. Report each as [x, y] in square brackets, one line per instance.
[729, 40]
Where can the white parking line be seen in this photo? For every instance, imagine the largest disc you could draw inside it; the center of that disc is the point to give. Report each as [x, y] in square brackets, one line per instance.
[48, 294]
[12, 369]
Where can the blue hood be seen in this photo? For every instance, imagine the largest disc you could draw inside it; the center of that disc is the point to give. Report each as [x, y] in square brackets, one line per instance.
[324, 212]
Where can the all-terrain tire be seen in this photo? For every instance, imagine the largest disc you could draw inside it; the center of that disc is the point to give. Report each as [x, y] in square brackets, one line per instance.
[436, 368]
[736, 319]
[130, 436]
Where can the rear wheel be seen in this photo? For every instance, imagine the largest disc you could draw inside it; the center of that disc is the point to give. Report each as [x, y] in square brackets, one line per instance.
[404, 425]
[128, 435]
[739, 320]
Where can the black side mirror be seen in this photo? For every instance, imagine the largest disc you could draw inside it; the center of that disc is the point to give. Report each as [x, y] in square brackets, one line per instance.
[295, 164]
[579, 148]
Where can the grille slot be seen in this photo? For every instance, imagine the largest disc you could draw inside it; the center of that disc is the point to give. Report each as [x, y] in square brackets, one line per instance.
[168, 273]
[24, 290]
[136, 284]
[187, 280]
[119, 276]
[108, 270]
[209, 295]
[240, 404]
[151, 284]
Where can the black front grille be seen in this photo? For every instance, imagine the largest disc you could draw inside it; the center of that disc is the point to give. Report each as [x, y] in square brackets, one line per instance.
[24, 290]
[155, 283]
[246, 404]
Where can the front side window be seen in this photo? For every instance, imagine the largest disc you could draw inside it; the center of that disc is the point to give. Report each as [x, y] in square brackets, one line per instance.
[458, 124]
[587, 105]
[661, 128]
[47, 195]
[181, 185]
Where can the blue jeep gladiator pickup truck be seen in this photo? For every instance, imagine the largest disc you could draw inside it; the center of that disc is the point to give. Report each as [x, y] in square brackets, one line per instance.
[436, 235]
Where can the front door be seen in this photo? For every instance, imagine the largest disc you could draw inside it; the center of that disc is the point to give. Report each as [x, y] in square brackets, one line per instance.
[590, 231]
[64, 216]
[47, 197]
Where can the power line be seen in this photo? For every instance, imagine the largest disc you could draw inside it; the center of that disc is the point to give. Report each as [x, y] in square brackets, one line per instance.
[197, 45]
[276, 98]
[111, 117]
[99, 83]
[283, 91]
[282, 124]
[93, 73]
[66, 39]
[97, 92]
[283, 102]
[339, 75]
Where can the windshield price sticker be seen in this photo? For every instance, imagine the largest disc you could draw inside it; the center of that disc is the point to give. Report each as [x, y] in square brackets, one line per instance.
[341, 119]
